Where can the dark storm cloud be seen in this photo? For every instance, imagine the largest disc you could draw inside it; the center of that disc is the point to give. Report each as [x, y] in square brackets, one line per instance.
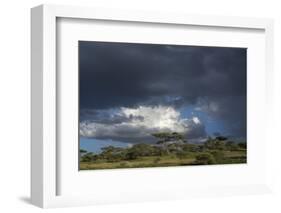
[229, 109]
[106, 117]
[116, 75]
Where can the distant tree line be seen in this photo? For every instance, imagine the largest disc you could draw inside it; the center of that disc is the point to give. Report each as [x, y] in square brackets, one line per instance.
[168, 144]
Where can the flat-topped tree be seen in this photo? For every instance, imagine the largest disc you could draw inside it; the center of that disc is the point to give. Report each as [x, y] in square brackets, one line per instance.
[221, 138]
[82, 151]
[168, 137]
[177, 136]
[218, 143]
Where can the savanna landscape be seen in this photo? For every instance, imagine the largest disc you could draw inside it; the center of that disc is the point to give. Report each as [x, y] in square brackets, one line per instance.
[171, 149]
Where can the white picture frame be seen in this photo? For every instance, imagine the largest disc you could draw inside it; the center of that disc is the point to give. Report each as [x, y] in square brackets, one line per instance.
[44, 149]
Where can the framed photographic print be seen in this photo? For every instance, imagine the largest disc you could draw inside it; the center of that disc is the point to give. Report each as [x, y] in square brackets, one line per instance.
[149, 106]
[161, 105]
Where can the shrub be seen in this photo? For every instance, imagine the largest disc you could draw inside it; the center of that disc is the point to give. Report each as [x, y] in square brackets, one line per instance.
[131, 155]
[87, 157]
[230, 145]
[242, 145]
[142, 149]
[190, 147]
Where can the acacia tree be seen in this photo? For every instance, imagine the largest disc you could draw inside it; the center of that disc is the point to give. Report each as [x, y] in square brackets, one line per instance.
[82, 151]
[217, 143]
[111, 153]
[167, 136]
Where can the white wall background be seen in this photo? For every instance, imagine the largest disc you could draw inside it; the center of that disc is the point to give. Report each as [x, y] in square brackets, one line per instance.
[15, 105]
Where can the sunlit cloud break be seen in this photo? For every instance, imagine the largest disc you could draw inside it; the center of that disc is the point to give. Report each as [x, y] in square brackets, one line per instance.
[137, 124]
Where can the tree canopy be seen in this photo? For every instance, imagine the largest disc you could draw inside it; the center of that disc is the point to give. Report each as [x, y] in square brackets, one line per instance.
[169, 136]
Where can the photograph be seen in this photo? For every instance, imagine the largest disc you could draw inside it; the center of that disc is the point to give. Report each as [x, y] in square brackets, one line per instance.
[147, 105]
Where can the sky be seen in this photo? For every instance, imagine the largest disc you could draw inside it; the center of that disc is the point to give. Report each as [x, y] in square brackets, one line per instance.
[129, 91]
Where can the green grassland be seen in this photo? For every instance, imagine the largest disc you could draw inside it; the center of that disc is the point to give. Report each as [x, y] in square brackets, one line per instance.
[141, 162]
[174, 151]
[163, 161]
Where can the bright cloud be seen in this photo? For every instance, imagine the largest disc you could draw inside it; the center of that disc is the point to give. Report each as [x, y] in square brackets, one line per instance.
[137, 124]
[196, 120]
